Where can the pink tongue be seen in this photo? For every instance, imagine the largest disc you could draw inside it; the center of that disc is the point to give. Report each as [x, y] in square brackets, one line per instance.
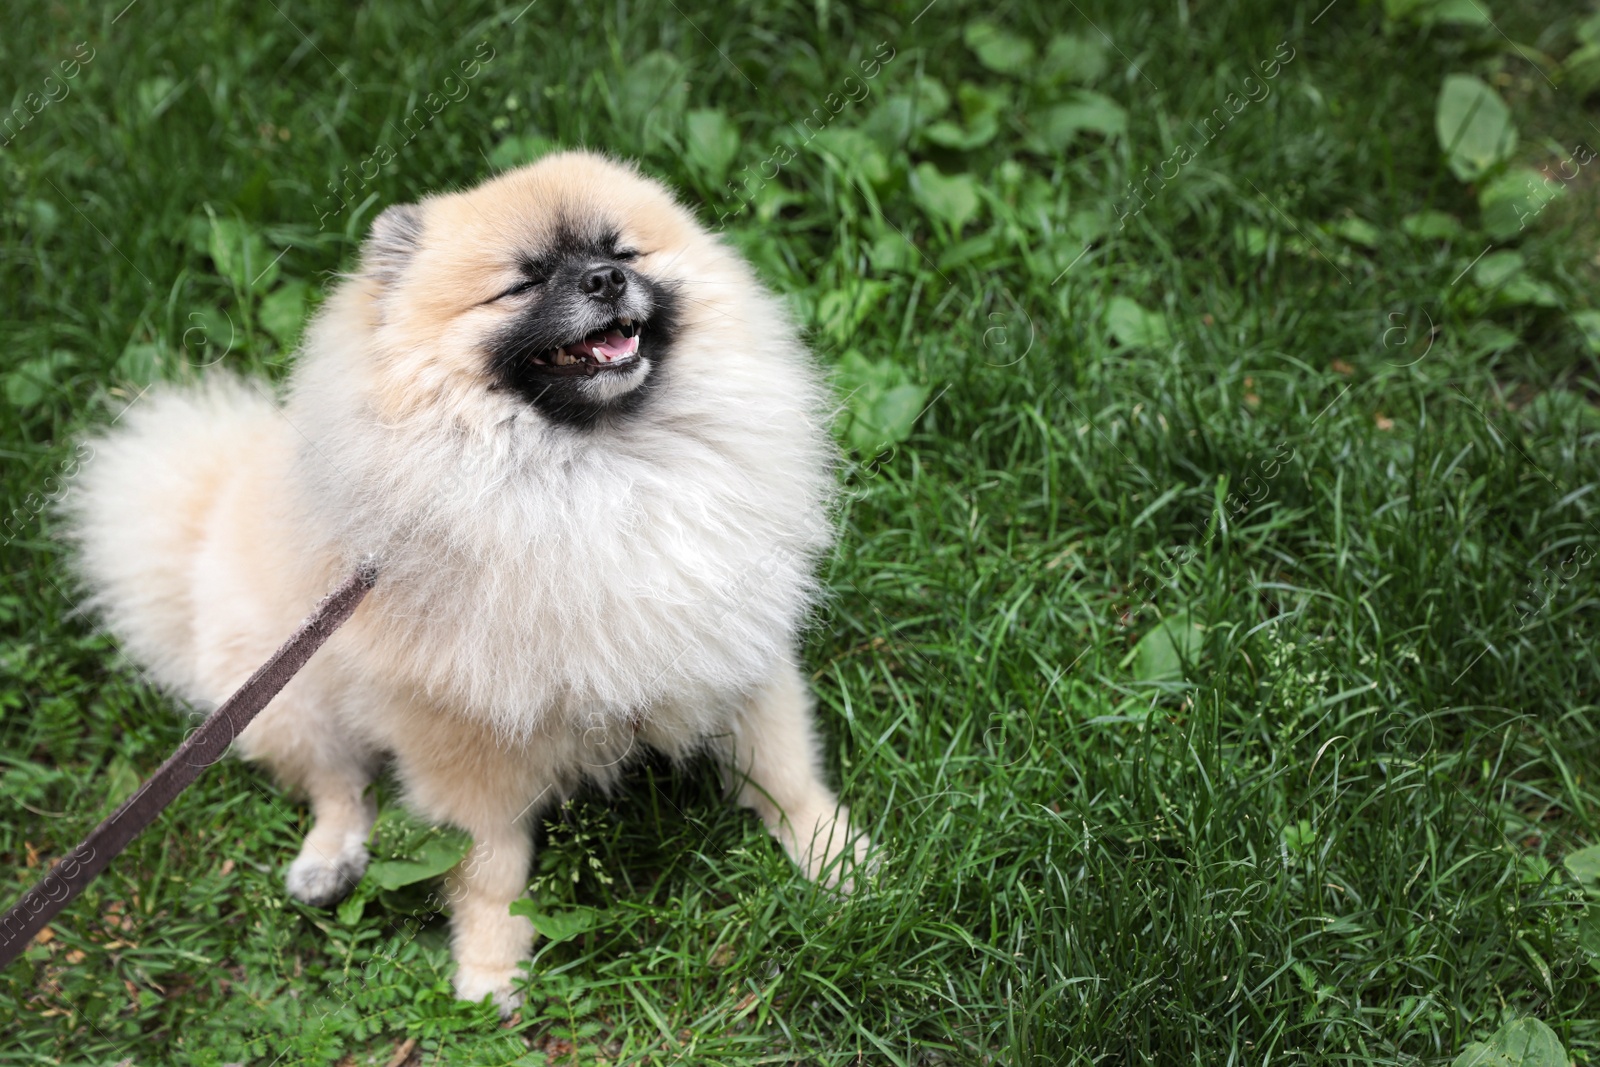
[615, 346]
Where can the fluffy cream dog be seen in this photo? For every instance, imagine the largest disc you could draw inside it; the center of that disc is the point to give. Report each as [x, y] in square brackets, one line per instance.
[590, 460]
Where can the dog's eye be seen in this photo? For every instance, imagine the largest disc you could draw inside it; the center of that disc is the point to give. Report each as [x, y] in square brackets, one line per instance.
[626, 254]
[521, 287]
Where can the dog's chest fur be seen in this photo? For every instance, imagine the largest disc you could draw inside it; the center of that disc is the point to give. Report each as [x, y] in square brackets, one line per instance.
[594, 577]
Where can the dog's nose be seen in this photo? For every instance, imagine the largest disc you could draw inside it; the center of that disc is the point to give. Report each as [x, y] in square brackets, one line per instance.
[604, 283]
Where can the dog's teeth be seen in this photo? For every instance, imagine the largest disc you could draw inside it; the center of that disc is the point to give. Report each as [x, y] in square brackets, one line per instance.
[625, 320]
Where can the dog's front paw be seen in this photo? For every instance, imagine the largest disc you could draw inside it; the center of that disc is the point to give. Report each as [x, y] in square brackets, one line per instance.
[320, 879]
[827, 849]
[475, 983]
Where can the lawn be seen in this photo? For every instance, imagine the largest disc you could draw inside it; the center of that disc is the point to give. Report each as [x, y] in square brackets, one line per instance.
[1211, 636]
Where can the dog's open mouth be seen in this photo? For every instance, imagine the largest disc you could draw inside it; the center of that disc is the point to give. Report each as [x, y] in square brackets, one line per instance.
[611, 347]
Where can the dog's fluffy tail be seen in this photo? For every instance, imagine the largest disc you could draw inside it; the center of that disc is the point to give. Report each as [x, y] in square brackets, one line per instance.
[139, 507]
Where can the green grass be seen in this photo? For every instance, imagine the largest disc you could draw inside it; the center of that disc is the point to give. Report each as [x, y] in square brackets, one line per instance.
[1214, 663]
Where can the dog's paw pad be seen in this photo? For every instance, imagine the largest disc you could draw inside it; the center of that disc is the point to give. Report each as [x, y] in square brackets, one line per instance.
[321, 880]
[475, 983]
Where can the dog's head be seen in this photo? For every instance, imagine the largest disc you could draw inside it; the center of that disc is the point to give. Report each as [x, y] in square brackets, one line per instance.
[559, 282]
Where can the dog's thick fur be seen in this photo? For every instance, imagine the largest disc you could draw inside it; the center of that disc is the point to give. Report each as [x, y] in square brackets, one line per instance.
[554, 594]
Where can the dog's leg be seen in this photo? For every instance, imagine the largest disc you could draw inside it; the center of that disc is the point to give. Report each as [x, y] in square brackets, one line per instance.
[306, 749]
[334, 855]
[457, 771]
[775, 763]
[490, 944]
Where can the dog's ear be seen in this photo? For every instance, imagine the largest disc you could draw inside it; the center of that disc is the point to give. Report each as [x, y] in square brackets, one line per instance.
[394, 238]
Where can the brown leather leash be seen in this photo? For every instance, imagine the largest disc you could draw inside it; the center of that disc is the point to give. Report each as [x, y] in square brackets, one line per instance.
[205, 746]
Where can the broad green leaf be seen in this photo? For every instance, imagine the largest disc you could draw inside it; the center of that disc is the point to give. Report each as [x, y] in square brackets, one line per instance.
[1432, 226]
[42, 216]
[773, 197]
[1497, 268]
[518, 149]
[430, 862]
[890, 123]
[1357, 231]
[892, 253]
[929, 96]
[1588, 29]
[651, 95]
[1430, 12]
[890, 418]
[1584, 864]
[1588, 930]
[980, 119]
[853, 150]
[981, 248]
[1255, 240]
[1583, 66]
[1000, 50]
[651, 81]
[855, 370]
[711, 142]
[979, 104]
[1474, 126]
[1457, 13]
[1519, 1043]
[141, 363]
[948, 134]
[350, 908]
[1133, 326]
[120, 779]
[952, 200]
[1504, 276]
[1486, 338]
[242, 256]
[1041, 203]
[154, 95]
[899, 114]
[34, 379]
[406, 850]
[881, 402]
[1089, 223]
[561, 925]
[1527, 291]
[283, 312]
[1160, 654]
[1072, 58]
[840, 312]
[197, 233]
[1063, 252]
[976, 135]
[1588, 324]
[1510, 202]
[1582, 69]
[1084, 111]
[1299, 837]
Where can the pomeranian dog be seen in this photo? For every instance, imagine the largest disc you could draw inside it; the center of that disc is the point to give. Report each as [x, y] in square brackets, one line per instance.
[590, 460]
